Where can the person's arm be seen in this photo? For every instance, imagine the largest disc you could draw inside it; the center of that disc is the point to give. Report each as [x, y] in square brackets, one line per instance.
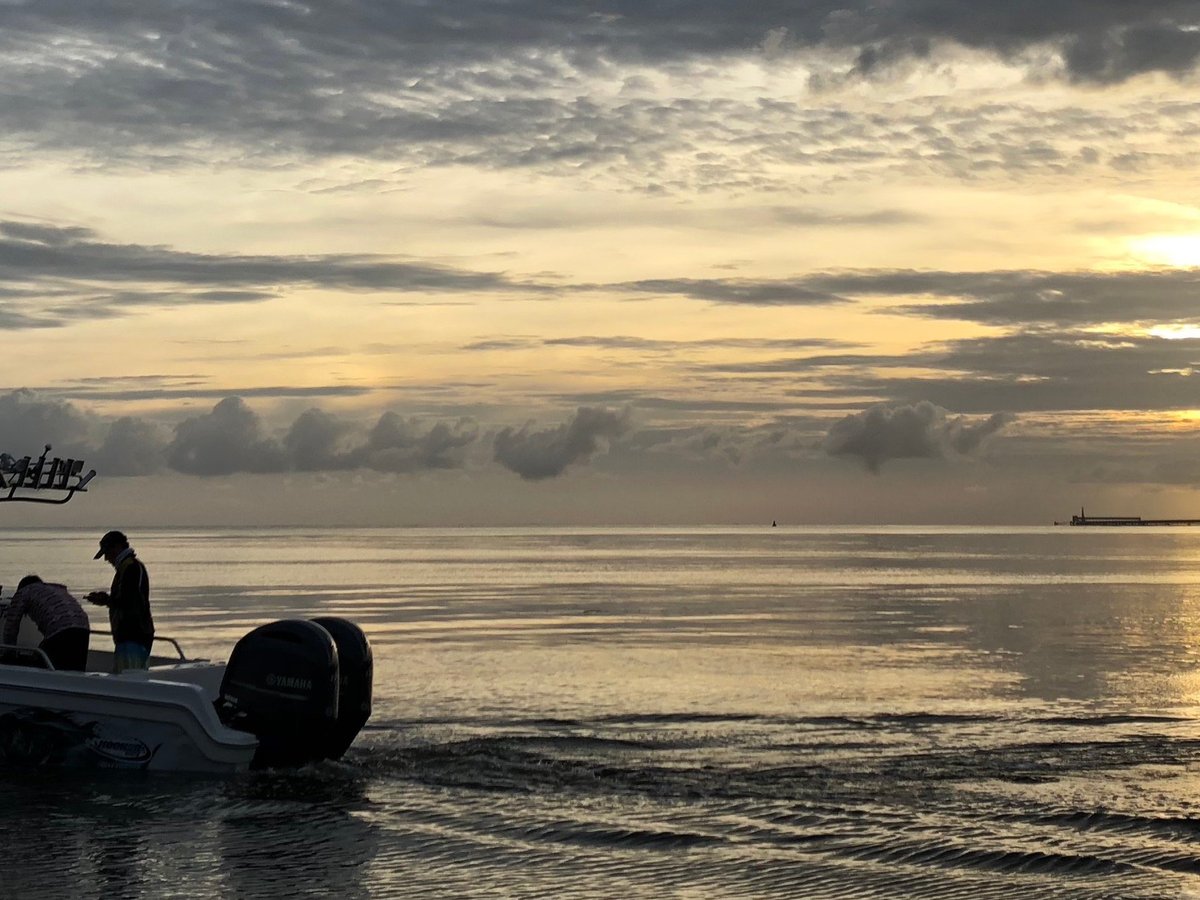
[12, 618]
[100, 598]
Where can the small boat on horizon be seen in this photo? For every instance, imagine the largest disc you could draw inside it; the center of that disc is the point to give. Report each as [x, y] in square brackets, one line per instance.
[1122, 521]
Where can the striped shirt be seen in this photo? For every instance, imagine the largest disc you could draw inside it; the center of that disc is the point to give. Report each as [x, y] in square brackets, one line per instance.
[50, 606]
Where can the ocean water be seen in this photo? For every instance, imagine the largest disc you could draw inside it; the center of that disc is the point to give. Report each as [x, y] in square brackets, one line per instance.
[670, 713]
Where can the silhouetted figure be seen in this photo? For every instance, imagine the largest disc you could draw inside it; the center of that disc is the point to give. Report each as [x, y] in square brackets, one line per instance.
[128, 602]
[58, 616]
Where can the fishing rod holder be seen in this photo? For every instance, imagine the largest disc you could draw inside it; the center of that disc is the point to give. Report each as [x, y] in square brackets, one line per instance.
[46, 480]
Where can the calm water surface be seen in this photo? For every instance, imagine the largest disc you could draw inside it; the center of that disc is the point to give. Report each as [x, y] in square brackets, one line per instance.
[671, 713]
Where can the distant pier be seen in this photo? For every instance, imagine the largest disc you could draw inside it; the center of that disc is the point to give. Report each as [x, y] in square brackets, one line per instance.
[1123, 521]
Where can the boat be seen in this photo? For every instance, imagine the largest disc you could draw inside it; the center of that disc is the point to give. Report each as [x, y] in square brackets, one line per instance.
[1083, 519]
[293, 691]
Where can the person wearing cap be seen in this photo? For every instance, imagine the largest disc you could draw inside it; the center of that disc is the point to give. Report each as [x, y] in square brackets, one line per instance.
[57, 615]
[128, 602]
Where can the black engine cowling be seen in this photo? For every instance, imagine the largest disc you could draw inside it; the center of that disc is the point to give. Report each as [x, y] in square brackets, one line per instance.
[303, 688]
[281, 684]
[356, 675]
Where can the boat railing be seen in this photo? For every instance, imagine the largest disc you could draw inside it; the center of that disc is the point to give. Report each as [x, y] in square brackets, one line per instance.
[157, 639]
[28, 657]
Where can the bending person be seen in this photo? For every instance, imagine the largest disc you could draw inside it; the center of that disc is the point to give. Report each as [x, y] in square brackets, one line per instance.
[128, 602]
[59, 617]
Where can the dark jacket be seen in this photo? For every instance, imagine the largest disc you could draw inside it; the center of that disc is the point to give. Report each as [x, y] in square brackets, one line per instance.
[129, 603]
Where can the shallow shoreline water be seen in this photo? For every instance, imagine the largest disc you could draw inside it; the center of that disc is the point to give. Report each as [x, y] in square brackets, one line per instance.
[704, 712]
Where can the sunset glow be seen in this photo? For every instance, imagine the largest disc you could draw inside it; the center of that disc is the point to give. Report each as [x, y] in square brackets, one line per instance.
[1180, 250]
[545, 263]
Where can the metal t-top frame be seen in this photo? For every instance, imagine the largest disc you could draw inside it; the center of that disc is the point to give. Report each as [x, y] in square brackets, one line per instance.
[45, 480]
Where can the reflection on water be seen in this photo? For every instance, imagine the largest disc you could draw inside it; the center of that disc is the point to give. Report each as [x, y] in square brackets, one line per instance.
[121, 835]
[294, 834]
[115, 855]
[708, 713]
[891, 805]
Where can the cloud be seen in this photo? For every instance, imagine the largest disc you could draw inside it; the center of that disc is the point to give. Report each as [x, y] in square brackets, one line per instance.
[537, 455]
[1000, 297]
[131, 447]
[624, 342]
[724, 444]
[1035, 371]
[753, 292]
[731, 445]
[314, 443]
[918, 431]
[276, 58]
[231, 438]
[226, 440]
[89, 278]
[1029, 298]
[175, 388]
[1018, 297]
[396, 444]
[692, 403]
[73, 252]
[1120, 52]
[28, 422]
[545, 85]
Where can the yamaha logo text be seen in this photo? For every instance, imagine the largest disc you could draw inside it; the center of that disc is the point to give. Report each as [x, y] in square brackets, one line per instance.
[289, 681]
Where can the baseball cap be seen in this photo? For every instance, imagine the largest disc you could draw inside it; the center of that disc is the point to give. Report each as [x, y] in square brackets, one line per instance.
[110, 539]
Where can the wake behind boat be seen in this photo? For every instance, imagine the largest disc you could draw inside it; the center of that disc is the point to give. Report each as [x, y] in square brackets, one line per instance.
[292, 692]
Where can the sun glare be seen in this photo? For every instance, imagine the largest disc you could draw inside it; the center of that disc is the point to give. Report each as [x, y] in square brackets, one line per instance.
[1175, 332]
[1179, 250]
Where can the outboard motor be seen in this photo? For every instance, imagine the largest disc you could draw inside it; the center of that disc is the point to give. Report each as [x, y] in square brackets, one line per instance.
[356, 668]
[281, 684]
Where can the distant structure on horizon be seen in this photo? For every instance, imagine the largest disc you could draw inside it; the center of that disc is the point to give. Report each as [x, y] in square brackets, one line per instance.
[1118, 521]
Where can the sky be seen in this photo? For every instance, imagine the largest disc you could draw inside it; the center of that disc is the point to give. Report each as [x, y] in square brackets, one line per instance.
[506, 262]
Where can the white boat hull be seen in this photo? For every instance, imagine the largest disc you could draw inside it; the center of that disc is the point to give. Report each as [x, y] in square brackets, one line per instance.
[138, 720]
